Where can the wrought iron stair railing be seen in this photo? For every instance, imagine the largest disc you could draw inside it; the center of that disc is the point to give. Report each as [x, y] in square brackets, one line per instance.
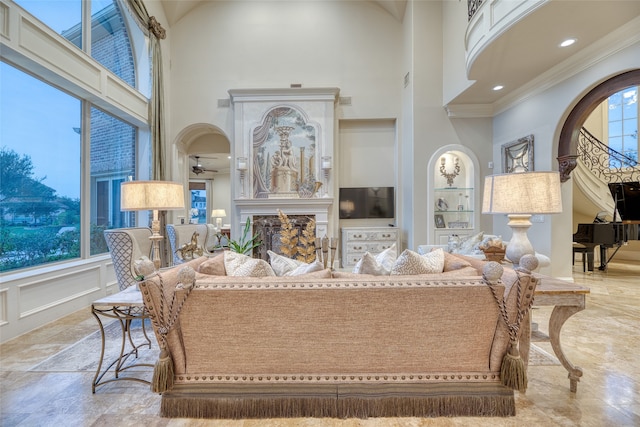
[604, 162]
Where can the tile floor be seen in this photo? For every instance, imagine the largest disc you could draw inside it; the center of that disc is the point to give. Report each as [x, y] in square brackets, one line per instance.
[604, 340]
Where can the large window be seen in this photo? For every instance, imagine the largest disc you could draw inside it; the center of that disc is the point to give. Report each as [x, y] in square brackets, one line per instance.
[623, 122]
[40, 172]
[62, 158]
[113, 160]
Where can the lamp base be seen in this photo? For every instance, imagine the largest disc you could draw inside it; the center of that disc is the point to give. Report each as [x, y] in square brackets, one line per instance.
[155, 250]
[155, 241]
[219, 223]
[519, 245]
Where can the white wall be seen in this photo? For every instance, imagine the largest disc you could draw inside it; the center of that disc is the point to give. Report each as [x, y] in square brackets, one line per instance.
[431, 128]
[454, 27]
[366, 157]
[237, 45]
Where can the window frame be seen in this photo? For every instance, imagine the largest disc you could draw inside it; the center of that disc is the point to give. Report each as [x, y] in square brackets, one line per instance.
[62, 65]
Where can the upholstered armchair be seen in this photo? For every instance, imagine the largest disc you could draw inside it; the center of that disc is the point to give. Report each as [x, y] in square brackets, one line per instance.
[180, 235]
[126, 245]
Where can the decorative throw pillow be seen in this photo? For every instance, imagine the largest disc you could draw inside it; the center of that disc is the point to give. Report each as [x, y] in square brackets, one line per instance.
[144, 267]
[452, 262]
[304, 268]
[281, 264]
[378, 265]
[241, 265]
[454, 242]
[470, 245]
[213, 266]
[410, 262]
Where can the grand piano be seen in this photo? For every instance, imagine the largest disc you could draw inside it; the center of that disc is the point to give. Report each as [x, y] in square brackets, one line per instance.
[614, 234]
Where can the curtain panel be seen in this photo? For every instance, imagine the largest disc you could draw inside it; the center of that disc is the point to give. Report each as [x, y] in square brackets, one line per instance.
[155, 32]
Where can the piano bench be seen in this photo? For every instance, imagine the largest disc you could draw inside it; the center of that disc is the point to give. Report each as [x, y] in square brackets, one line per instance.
[580, 249]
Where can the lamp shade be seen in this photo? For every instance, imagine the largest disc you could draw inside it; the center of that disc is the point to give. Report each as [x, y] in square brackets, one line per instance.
[522, 193]
[218, 213]
[151, 195]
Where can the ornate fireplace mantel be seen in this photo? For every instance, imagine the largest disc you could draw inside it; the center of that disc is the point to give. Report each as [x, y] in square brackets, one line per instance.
[282, 150]
[316, 207]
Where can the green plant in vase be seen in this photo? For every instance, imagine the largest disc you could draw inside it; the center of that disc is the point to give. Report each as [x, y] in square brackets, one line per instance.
[244, 245]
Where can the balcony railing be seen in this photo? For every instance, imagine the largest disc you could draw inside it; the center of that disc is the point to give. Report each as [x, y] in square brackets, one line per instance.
[604, 162]
[473, 6]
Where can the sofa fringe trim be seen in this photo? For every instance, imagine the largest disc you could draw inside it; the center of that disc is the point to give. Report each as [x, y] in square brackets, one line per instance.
[347, 407]
[340, 401]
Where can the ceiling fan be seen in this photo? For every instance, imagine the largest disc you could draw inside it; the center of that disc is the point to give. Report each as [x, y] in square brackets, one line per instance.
[198, 168]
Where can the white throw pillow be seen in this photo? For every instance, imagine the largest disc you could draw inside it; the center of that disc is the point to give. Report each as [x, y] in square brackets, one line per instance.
[379, 265]
[410, 263]
[241, 265]
[281, 264]
[304, 268]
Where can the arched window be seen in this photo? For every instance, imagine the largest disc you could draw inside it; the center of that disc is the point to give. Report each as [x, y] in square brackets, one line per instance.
[622, 115]
[114, 39]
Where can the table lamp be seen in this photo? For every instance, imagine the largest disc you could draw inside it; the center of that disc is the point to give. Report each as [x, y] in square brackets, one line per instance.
[155, 196]
[520, 195]
[218, 214]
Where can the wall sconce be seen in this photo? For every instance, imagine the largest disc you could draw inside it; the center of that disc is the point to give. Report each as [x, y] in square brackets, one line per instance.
[326, 168]
[449, 175]
[241, 165]
[326, 163]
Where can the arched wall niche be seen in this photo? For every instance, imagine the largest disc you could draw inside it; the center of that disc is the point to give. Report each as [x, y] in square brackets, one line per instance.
[468, 179]
[568, 141]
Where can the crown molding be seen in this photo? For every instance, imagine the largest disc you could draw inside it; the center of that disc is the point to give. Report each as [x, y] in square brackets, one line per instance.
[465, 111]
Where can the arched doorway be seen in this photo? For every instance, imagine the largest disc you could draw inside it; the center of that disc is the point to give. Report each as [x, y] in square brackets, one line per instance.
[568, 142]
[586, 189]
[203, 163]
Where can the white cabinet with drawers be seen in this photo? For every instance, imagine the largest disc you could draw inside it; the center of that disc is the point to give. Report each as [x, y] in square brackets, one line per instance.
[358, 240]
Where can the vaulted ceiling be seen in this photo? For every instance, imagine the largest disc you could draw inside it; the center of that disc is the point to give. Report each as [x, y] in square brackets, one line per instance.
[523, 53]
[176, 9]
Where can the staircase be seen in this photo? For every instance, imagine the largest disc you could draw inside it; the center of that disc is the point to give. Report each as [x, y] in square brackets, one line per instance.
[597, 166]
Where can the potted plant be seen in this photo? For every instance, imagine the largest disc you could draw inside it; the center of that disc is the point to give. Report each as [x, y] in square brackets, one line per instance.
[244, 245]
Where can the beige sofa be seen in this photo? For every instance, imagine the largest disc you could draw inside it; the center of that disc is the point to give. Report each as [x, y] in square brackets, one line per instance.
[320, 346]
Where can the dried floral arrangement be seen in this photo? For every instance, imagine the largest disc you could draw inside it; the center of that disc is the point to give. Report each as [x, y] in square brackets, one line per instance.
[292, 245]
[307, 243]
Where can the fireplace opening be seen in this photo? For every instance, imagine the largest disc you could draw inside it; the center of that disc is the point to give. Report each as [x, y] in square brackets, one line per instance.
[268, 229]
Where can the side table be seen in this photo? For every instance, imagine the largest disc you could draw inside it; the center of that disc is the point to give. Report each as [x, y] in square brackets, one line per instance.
[567, 299]
[125, 306]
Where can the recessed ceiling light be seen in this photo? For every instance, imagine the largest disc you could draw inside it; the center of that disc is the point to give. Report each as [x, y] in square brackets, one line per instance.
[498, 87]
[228, 157]
[567, 42]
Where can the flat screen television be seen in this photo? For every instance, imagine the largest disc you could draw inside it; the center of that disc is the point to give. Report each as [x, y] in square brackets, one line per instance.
[367, 202]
